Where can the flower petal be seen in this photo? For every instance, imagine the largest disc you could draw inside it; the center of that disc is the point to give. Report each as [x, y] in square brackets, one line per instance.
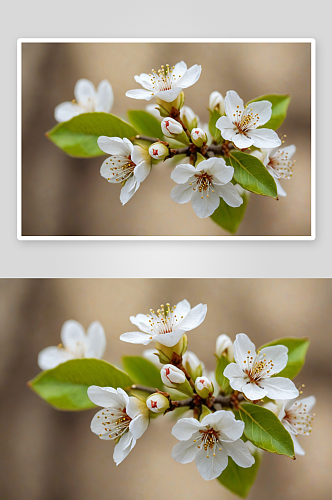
[145, 80]
[96, 341]
[114, 146]
[277, 354]
[136, 407]
[185, 428]
[67, 110]
[128, 190]
[179, 70]
[221, 172]
[226, 127]
[210, 466]
[140, 94]
[261, 108]
[190, 76]
[169, 339]
[168, 95]
[123, 448]
[254, 392]
[242, 348]
[204, 205]
[50, 357]
[105, 96]
[233, 104]
[185, 451]
[280, 190]
[138, 426]
[309, 402]
[224, 421]
[194, 317]
[142, 322]
[280, 388]
[298, 450]
[84, 91]
[182, 308]
[242, 141]
[136, 338]
[237, 378]
[107, 397]
[264, 138]
[72, 335]
[141, 171]
[239, 452]
[182, 173]
[229, 194]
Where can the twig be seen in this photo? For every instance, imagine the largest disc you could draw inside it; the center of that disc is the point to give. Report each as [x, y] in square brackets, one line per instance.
[144, 388]
[146, 138]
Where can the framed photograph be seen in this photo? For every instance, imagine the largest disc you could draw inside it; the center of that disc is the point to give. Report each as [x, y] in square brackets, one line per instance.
[122, 139]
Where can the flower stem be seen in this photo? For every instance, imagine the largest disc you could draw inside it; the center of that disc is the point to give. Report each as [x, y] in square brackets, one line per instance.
[143, 388]
[146, 138]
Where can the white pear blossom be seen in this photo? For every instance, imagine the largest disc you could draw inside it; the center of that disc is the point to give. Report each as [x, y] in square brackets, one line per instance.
[251, 373]
[122, 418]
[166, 83]
[216, 100]
[75, 343]
[87, 99]
[224, 345]
[172, 376]
[240, 123]
[128, 165]
[278, 163]
[294, 414]
[157, 403]
[210, 443]
[167, 326]
[198, 136]
[204, 387]
[158, 151]
[171, 127]
[204, 185]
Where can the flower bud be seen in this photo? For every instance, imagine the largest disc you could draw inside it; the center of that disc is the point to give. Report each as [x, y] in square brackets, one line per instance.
[204, 387]
[172, 376]
[158, 151]
[158, 403]
[224, 347]
[198, 136]
[189, 118]
[165, 353]
[166, 107]
[192, 364]
[216, 101]
[171, 127]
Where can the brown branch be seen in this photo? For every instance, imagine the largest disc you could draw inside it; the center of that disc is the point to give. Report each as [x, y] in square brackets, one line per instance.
[144, 388]
[146, 138]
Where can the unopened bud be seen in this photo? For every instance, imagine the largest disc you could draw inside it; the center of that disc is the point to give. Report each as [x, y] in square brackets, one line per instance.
[224, 347]
[158, 403]
[166, 353]
[216, 101]
[158, 151]
[192, 364]
[198, 136]
[165, 107]
[189, 118]
[171, 127]
[172, 376]
[204, 387]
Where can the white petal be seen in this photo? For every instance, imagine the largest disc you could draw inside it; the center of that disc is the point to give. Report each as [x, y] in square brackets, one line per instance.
[96, 341]
[298, 450]
[226, 127]
[242, 345]
[221, 172]
[140, 154]
[145, 80]
[205, 206]
[182, 173]
[128, 190]
[114, 146]
[136, 338]
[241, 141]
[135, 407]
[194, 317]
[309, 402]
[264, 138]
[190, 77]
[179, 69]
[254, 392]
[168, 95]
[224, 421]
[123, 448]
[106, 397]
[138, 426]
[105, 97]
[182, 308]
[185, 451]
[289, 150]
[141, 171]
[50, 357]
[72, 335]
[277, 354]
[185, 428]
[140, 94]
[210, 466]
[239, 453]
[182, 193]
[236, 376]
[169, 339]
[67, 110]
[279, 388]
[229, 194]
[105, 170]
[84, 91]
[280, 190]
[263, 109]
[142, 322]
[233, 103]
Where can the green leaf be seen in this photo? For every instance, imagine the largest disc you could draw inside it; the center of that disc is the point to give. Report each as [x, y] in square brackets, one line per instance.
[142, 371]
[205, 411]
[263, 428]
[230, 218]
[214, 131]
[145, 123]
[297, 350]
[199, 159]
[239, 480]
[65, 387]
[280, 103]
[221, 379]
[251, 174]
[78, 137]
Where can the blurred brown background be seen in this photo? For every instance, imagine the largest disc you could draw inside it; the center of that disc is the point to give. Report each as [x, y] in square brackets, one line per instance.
[63, 196]
[47, 454]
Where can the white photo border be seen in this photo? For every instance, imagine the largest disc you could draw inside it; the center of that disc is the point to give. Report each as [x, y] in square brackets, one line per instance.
[21, 41]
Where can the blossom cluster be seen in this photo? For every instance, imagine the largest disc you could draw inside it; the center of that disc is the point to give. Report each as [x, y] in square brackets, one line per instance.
[210, 433]
[202, 171]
